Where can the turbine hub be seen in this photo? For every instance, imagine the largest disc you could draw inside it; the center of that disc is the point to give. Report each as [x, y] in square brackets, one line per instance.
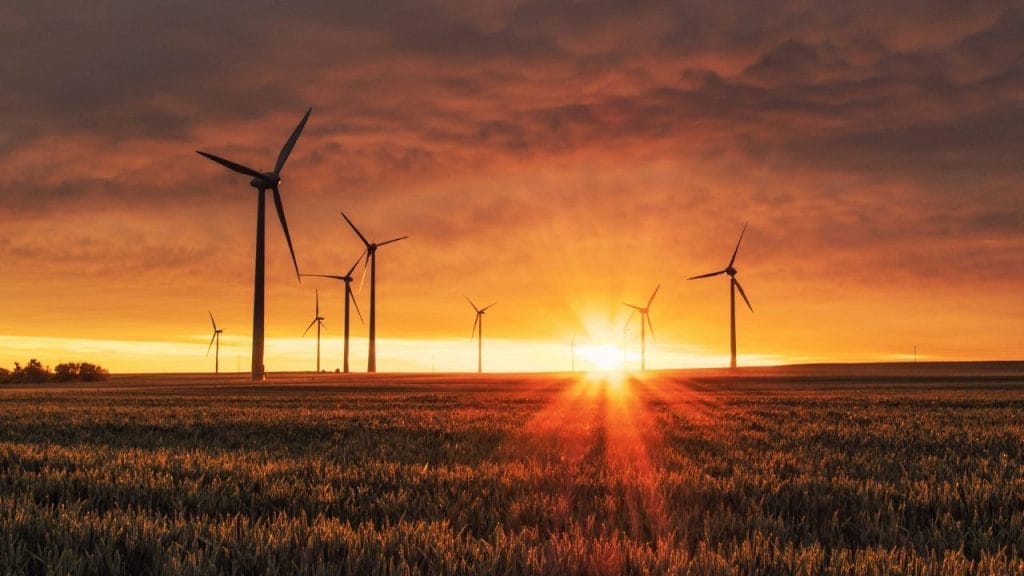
[730, 271]
[269, 180]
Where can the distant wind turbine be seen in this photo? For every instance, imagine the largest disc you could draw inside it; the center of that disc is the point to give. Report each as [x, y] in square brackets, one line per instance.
[572, 347]
[215, 339]
[371, 261]
[734, 285]
[645, 316]
[478, 330]
[349, 297]
[319, 321]
[264, 181]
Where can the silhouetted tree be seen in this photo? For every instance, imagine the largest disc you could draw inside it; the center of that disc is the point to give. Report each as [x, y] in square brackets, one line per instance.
[35, 372]
[92, 372]
[5, 375]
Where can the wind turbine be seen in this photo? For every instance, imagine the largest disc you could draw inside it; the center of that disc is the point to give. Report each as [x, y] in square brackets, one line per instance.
[215, 339]
[480, 341]
[645, 315]
[263, 181]
[319, 321]
[349, 297]
[371, 260]
[734, 285]
[572, 347]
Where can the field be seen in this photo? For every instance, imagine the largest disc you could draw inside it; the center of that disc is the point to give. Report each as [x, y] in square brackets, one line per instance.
[806, 470]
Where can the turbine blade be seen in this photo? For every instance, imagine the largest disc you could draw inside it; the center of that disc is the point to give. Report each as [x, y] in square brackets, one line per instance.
[392, 240]
[284, 226]
[630, 319]
[233, 165]
[356, 230]
[212, 321]
[212, 338]
[744, 294]
[633, 307]
[308, 327]
[353, 268]
[485, 308]
[655, 293]
[286, 150]
[362, 278]
[708, 275]
[471, 303]
[318, 302]
[323, 276]
[649, 325]
[354, 303]
[734, 252]
[323, 325]
[475, 322]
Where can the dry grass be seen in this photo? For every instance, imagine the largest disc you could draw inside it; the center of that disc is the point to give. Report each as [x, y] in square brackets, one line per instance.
[784, 472]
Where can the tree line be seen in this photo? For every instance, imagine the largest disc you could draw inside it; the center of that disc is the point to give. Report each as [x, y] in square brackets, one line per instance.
[35, 372]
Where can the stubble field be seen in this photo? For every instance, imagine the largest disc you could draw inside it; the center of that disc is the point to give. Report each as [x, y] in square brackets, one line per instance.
[813, 470]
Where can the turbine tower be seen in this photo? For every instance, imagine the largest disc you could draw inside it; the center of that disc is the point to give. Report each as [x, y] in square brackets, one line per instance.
[349, 297]
[371, 261]
[263, 181]
[319, 321]
[572, 347]
[734, 285]
[215, 339]
[479, 322]
[645, 316]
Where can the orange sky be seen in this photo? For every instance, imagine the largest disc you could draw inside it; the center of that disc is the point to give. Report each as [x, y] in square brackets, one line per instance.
[557, 159]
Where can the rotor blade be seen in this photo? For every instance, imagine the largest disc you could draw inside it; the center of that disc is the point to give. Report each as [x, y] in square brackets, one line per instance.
[212, 338]
[356, 230]
[323, 325]
[471, 303]
[742, 293]
[354, 303]
[310, 326]
[734, 252]
[632, 306]
[655, 293]
[485, 308]
[233, 165]
[649, 325]
[318, 302]
[287, 149]
[353, 268]
[392, 240]
[362, 278]
[475, 322]
[708, 275]
[630, 319]
[323, 276]
[212, 321]
[284, 226]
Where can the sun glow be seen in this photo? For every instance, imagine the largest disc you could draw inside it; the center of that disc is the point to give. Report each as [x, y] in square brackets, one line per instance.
[601, 356]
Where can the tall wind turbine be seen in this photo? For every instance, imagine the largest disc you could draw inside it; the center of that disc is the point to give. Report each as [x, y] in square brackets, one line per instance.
[215, 339]
[371, 260]
[479, 323]
[734, 285]
[263, 181]
[349, 297]
[645, 316]
[319, 321]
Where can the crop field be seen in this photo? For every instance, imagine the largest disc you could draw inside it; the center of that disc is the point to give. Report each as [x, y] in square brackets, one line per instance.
[815, 470]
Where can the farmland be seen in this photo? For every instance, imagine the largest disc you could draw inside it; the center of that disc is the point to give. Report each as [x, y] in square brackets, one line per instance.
[816, 470]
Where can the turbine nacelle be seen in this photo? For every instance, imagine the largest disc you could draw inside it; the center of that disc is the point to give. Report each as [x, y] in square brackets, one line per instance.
[269, 180]
[730, 271]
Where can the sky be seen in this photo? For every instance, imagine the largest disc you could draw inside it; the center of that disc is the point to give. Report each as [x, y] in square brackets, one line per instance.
[558, 158]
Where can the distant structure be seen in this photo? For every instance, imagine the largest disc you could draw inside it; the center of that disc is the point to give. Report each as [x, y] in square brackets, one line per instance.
[572, 349]
[734, 285]
[478, 330]
[645, 318]
[264, 181]
[319, 321]
[371, 260]
[349, 297]
[215, 339]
